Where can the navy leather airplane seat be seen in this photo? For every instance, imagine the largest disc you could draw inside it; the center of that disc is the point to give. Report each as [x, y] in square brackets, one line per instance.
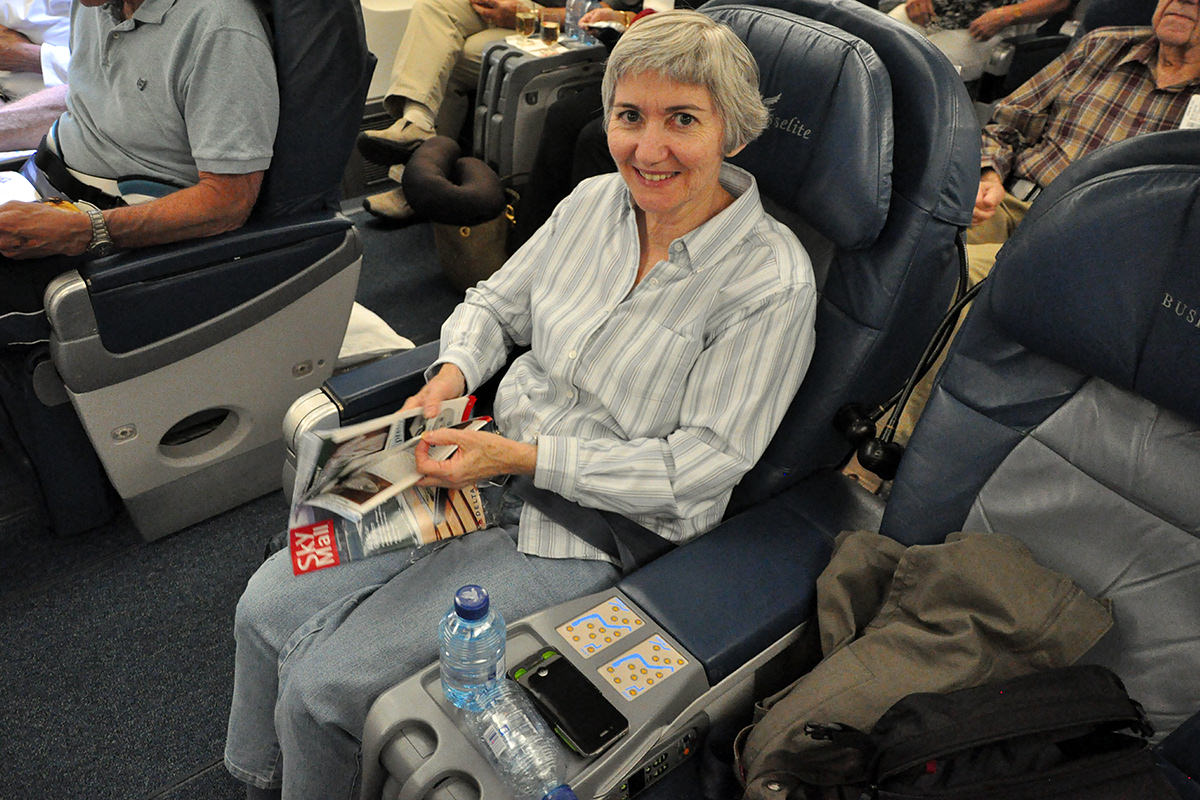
[1068, 410]
[182, 359]
[890, 272]
[893, 262]
[872, 156]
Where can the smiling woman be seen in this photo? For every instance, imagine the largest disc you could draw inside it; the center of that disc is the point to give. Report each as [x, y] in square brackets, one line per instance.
[680, 94]
[639, 301]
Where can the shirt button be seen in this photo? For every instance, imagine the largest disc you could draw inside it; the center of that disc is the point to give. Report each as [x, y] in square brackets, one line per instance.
[654, 281]
[572, 354]
[570, 395]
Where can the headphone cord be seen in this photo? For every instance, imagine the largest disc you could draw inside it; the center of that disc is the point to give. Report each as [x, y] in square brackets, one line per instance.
[933, 350]
[923, 365]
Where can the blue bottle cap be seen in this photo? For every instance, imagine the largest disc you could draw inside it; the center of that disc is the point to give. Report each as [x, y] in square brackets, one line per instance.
[471, 602]
[562, 792]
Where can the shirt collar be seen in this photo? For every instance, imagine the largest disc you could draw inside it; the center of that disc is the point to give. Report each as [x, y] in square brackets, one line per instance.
[707, 243]
[152, 11]
[1146, 53]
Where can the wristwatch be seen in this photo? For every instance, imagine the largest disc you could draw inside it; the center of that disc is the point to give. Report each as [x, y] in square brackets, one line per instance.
[101, 244]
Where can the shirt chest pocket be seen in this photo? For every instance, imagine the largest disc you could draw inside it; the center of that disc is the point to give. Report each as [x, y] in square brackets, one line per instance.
[639, 375]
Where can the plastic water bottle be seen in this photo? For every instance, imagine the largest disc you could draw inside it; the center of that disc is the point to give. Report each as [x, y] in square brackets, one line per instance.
[573, 12]
[472, 648]
[515, 738]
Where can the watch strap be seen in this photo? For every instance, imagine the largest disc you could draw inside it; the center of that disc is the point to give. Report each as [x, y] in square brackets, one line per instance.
[101, 243]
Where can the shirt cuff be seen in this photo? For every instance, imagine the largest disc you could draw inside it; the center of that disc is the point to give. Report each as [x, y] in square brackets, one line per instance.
[55, 58]
[991, 164]
[461, 359]
[557, 457]
[233, 167]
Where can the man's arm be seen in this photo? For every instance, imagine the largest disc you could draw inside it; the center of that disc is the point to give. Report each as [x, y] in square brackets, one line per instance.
[1018, 120]
[24, 122]
[991, 22]
[217, 203]
[17, 53]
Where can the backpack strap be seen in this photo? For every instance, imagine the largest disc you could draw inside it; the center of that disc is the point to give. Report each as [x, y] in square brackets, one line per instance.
[920, 726]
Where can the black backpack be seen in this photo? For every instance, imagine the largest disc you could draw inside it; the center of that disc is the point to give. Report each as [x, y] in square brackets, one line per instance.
[1064, 734]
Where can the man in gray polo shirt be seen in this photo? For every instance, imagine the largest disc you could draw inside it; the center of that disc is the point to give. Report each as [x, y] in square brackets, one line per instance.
[181, 93]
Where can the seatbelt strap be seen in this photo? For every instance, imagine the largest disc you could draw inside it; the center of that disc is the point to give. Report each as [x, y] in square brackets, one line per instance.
[615, 535]
[51, 169]
[1024, 189]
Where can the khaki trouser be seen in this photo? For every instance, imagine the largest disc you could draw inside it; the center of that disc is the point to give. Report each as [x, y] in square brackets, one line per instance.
[444, 42]
[983, 243]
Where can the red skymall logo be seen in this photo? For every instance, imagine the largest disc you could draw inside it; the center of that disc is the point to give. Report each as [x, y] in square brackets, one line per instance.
[313, 547]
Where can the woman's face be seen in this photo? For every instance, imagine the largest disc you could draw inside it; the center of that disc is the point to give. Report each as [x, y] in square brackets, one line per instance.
[666, 140]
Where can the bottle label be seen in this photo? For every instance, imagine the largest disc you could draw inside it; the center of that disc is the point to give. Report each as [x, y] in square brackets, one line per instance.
[313, 547]
[496, 735]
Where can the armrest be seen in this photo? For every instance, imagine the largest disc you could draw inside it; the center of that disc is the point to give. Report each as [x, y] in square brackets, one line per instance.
[104, 337]
[731, 593]
[154, 263]
[380, 387]
[144, 296]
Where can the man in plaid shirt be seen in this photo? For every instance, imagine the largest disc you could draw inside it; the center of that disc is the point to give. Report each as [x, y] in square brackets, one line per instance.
[1115, 83]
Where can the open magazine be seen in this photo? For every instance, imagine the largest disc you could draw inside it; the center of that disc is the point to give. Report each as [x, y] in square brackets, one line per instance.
[351, 470]
[355, 492]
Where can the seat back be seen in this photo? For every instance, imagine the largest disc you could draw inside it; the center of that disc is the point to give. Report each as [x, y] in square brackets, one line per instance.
[324, 68]
[1068, 411]
[181, 360]
[873, 160]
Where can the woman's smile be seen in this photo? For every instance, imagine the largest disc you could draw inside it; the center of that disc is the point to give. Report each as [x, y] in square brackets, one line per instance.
[666, 138]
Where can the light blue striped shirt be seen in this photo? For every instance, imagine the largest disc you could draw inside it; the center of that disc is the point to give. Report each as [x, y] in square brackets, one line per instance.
[654, 400]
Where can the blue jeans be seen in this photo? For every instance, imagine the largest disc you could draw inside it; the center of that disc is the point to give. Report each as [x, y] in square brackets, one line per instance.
[315, 650]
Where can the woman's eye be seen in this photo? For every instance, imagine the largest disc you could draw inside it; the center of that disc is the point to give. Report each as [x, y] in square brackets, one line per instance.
[629, 116]
[684, 120]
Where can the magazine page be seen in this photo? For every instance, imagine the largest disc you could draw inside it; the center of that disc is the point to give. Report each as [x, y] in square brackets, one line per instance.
[365, 482]
[427, 515]
[326, 456]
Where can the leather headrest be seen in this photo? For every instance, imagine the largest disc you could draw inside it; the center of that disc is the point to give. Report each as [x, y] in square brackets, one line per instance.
[440, 185]
[827, 153]
[1103, 279]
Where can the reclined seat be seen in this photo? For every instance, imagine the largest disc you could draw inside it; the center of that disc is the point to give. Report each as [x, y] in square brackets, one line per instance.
[884, 244]
[181, 360]
[1068, 411]
[1066, 415]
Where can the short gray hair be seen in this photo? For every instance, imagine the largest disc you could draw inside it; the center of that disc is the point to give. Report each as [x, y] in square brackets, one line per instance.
[692, 48]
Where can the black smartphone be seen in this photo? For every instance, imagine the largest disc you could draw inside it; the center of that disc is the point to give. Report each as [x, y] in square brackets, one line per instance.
[571, 704]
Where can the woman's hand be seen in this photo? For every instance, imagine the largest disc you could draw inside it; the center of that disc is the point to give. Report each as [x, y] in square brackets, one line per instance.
[479, 456]
[989, 196]
[989, 23]
[919, 11]
[446, 385]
